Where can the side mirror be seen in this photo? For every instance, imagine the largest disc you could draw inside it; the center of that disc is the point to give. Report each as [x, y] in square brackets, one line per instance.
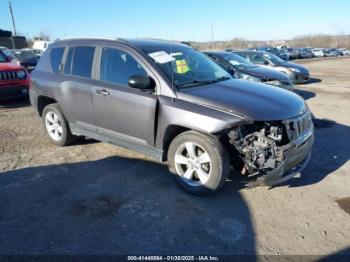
[141, 82]
[266, 62]
[9, 58]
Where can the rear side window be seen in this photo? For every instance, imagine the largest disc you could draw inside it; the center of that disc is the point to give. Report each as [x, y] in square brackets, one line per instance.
[79, 61]
[56, 57]
[117, 66]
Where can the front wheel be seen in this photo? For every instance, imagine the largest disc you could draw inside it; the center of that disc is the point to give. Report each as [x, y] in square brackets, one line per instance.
[199, 162]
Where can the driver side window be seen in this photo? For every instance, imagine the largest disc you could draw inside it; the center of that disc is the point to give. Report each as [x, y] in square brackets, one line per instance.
[257, 59]
[118, 66]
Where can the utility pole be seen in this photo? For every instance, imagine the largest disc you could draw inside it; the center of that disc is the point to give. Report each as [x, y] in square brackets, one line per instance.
[13, 24]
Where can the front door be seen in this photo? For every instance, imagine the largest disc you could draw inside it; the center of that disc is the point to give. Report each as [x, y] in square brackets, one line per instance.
[123, 113]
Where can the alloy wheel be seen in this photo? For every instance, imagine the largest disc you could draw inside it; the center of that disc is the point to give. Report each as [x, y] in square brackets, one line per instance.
[193, 164]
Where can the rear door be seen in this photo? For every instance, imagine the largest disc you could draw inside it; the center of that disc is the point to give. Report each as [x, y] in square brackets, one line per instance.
[123, 113]
[76, 90]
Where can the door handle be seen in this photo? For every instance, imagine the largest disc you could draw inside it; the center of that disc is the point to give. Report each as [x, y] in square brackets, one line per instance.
[102, 92]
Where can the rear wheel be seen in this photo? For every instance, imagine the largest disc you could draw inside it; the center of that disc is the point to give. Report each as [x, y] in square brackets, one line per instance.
[199, 162]
[56, 126]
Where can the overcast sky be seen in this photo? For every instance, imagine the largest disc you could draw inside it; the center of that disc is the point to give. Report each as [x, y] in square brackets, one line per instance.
[178, 19]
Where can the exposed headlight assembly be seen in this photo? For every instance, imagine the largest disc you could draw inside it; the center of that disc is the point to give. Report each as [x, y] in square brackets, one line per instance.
[21, 74]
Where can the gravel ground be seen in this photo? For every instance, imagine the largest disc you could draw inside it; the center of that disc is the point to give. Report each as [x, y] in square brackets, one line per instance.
[95, 198]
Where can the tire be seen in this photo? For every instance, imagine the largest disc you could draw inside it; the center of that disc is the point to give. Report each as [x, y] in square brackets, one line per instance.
[203, 177]
[56, 126]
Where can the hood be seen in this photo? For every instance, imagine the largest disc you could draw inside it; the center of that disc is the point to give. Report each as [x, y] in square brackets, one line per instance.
[265, 73]
[254, 101]
[9, 66]
[293, 65]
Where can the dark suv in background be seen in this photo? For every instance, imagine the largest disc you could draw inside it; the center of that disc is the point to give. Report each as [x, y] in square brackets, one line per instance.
[174, 103]
[240, 68]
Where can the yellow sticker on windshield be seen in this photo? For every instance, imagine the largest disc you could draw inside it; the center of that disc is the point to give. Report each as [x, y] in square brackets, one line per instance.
[182, 67]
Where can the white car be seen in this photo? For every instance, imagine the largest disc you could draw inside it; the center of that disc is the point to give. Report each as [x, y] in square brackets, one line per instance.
[41, 45]
[344, 51]
[318, 52]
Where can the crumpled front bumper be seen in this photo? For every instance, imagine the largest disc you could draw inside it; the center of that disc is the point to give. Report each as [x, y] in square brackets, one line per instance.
[296, 159]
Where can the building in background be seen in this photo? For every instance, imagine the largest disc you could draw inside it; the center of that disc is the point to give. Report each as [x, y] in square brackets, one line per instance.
[12, 42]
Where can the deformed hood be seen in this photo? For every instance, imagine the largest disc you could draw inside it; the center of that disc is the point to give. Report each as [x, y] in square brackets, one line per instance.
[258, 102]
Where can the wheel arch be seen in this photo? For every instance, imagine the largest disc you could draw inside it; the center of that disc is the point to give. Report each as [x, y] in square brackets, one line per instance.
[42, 102]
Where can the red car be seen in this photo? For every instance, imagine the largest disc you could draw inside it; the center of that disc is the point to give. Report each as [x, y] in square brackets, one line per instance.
[14, 79]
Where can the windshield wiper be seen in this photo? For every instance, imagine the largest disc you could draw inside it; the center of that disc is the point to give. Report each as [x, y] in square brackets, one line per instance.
[203, 82]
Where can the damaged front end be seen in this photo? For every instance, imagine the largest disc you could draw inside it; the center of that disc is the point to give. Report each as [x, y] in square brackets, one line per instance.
[273, 152]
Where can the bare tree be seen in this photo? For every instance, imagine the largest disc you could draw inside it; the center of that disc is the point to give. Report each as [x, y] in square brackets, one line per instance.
[45, 36]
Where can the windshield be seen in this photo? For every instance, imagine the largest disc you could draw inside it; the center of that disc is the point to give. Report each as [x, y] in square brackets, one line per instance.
[273, 58]
[6, 52]
[24, 55]
[187, 67]
[237, 61]
[3, 58]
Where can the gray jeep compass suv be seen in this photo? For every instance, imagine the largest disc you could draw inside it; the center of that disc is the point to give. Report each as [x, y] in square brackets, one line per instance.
[174, 103]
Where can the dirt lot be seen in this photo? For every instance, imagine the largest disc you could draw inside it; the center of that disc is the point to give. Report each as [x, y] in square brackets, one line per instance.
[95, 198]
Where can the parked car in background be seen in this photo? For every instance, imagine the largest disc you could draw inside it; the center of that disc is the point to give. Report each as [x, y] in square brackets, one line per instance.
[331, 52]
[37, 52]
[318, 52]
[291, 52]
[297, 73]
[345, 51]
[174, 103]
[269, 49]
[25, 58]
[305, 53]
[283, 55]
[240, 68]
[14, 79]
